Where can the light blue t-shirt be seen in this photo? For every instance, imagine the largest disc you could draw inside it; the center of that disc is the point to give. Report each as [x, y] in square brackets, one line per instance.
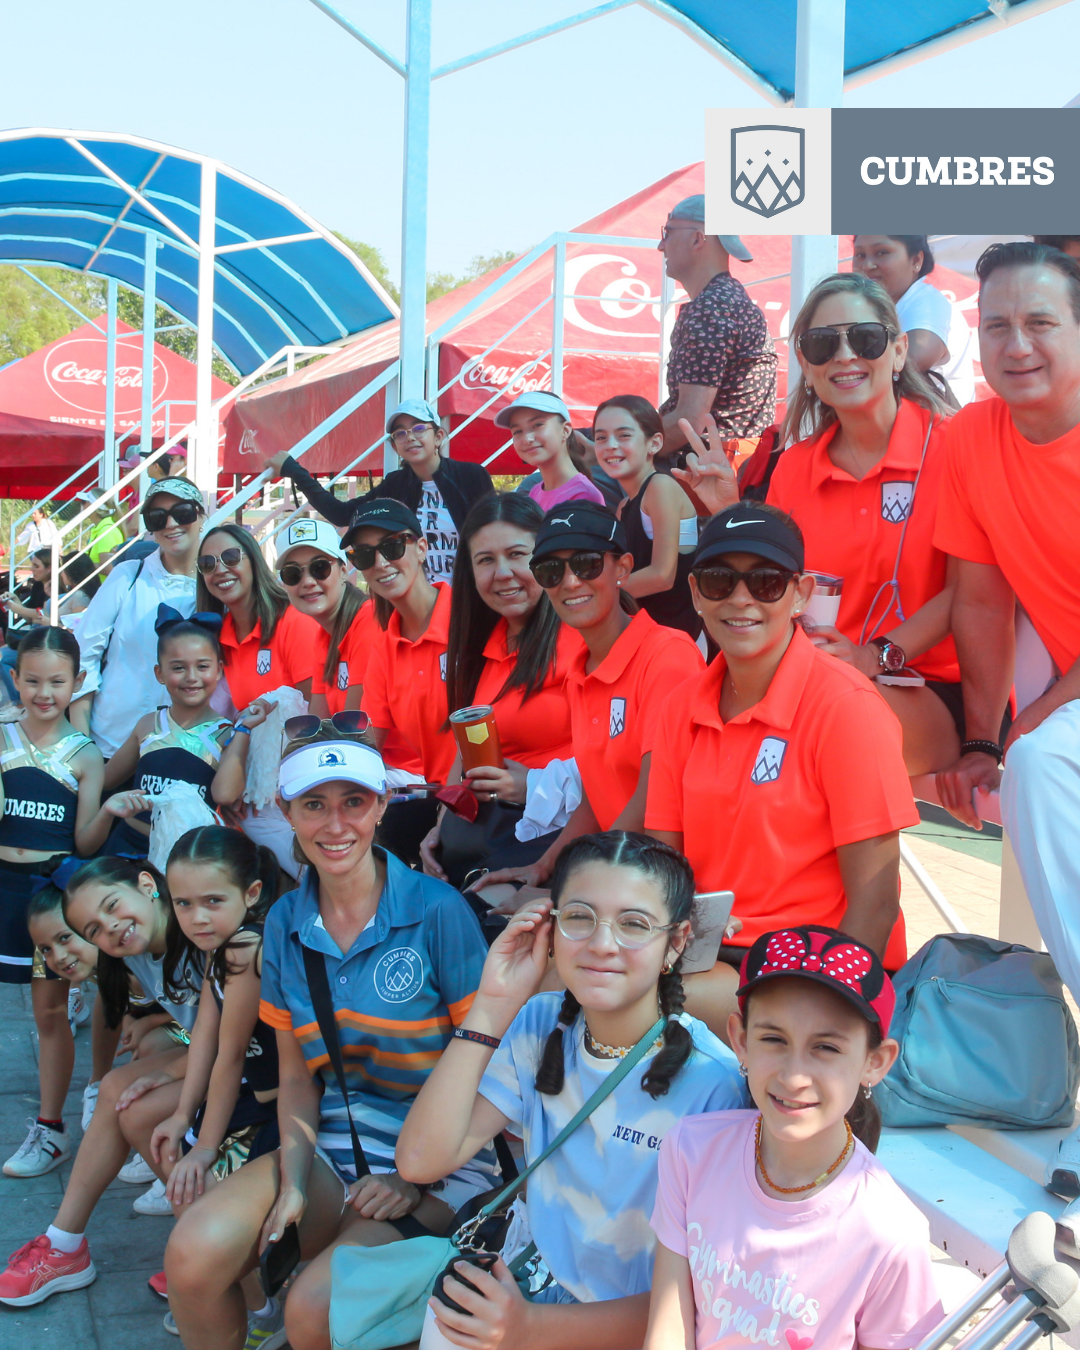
[589, 1204]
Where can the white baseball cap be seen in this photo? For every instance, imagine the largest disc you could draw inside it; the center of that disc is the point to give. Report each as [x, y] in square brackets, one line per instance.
[317, 534]
[539, 399]
[331, 762]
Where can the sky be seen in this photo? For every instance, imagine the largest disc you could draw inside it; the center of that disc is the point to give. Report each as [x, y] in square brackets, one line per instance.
[535, 141]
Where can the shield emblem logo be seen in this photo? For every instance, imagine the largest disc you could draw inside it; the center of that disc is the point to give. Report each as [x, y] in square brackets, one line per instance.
[262, 661]
[770, 760]
[343, 675]
[442, 667]
[767, 168]
[896, 499]
[617, 719]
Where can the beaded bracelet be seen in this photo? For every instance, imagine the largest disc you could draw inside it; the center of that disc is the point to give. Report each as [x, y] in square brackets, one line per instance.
[464, 1034]
[983, 748]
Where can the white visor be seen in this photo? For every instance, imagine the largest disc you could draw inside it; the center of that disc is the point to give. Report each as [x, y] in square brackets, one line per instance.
[331, 762]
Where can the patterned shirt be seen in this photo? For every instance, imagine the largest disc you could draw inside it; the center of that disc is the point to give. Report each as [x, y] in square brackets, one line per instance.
[721, 340]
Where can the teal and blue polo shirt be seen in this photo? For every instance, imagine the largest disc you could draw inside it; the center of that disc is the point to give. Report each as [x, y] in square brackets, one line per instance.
[398, 992]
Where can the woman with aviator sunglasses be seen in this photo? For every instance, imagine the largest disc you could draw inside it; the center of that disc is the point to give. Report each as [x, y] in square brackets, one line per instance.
[778, 770]
[116, 631]
[863, 486]
[616, 682]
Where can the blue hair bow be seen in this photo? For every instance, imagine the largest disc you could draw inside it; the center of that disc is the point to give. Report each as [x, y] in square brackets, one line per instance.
[59, 878]
[167, 617]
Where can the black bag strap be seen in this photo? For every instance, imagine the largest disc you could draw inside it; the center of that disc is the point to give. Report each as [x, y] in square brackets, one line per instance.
[319, 988]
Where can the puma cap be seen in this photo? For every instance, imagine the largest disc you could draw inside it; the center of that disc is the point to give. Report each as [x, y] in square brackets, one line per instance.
[582, 525]
[746, 528]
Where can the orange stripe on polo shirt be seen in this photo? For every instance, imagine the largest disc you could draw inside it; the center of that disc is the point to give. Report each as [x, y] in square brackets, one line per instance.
[460, 1010]
[415, 1061]
[383, 1027]
[277, 1018]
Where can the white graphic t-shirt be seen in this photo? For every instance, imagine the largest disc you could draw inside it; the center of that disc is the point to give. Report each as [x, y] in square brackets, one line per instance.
[441, 534]
[589, 1204]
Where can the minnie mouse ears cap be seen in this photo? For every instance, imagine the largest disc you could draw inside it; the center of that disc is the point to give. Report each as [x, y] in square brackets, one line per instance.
[828, 957]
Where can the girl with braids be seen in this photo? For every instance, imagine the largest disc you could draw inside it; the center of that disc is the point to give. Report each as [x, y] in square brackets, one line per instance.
[617, 921]
[777, 1225]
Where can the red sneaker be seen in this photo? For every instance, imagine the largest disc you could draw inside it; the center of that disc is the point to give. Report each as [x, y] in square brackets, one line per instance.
[37, 1270]
[158, 1285]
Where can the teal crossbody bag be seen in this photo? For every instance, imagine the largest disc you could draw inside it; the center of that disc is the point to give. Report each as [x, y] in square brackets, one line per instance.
[378, 1295]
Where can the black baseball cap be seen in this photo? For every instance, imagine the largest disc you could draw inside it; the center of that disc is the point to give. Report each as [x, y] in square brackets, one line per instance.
[746, 528]
[384, 513]
[580, 524]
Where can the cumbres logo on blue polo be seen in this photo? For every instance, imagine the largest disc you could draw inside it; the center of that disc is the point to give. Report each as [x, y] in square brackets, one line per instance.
[399, 976]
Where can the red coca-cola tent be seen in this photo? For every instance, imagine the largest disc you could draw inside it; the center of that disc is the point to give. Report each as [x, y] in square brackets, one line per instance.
[64, 383]
[34, 455]
[611, 339]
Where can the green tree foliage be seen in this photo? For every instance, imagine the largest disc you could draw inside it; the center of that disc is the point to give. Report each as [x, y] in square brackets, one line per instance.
[439, 283]
[374, 261]
[31, 318]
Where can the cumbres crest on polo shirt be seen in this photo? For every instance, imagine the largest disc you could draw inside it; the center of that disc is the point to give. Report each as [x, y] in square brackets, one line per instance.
[399, 976]
[770, 760]
[262, 661]
[343, 675]
[896, 499]
[617, 717]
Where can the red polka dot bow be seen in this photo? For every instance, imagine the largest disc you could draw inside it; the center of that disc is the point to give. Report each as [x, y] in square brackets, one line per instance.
[788, 951]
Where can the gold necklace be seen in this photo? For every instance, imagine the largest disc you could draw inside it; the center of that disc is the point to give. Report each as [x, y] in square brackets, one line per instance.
[795, 1190]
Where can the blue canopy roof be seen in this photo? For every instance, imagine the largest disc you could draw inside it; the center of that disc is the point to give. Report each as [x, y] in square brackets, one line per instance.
[86, 200]
[879, 34]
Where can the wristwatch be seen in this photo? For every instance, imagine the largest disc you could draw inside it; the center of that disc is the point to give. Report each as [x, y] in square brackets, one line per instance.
[891, 656]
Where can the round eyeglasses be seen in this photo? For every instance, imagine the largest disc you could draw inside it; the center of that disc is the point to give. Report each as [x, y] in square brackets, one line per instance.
[632, 929]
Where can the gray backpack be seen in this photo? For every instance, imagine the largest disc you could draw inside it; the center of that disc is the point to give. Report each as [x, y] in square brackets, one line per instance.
[986, 1038]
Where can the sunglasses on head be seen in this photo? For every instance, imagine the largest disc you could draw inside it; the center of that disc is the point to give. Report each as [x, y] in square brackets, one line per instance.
[586, 565]
[362, 556]
[307, 725]
[767, 584]
[228, 557]
[318, 569]
[183, 513]
[866, 340]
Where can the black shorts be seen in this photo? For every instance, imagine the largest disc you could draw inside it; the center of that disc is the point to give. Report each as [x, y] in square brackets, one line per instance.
[18, 882]
[951, 694]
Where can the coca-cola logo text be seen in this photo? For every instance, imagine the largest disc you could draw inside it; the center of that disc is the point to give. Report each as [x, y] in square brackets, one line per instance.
[511, 380]
[75, 372]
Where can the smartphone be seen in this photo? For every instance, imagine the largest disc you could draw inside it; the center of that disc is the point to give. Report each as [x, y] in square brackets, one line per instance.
[709, 921]
[905, 677]
[279, 1260]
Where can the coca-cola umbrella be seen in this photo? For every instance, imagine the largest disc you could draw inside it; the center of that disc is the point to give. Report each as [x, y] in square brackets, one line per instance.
[35, 455]
[611, 337]
[65, 383]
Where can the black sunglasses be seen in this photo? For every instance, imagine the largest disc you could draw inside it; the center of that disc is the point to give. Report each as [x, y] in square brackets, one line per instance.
[318, 569]
[307, 725]
[866, 340]
[767, 584]
[586, 565]
[228, 557]
[183, 513]
[362, 556]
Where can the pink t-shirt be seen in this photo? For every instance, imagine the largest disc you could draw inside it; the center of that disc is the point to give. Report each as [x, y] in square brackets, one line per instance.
[579, 489]
[851, 1266]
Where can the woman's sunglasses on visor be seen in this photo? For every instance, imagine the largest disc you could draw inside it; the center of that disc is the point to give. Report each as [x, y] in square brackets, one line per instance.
[183, 513]
[865, 340]
[347, 723]
[318, 569]
[362, 556]
[766, 584]
[586, 565]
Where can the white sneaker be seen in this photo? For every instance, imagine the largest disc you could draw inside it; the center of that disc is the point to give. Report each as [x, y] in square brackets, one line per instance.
[41, 1151]
[137, 1172]
[170, 1324]
[78, 1011]
[89, 1101]
[266, 1333]
[153, 1201]
[1063, 1168]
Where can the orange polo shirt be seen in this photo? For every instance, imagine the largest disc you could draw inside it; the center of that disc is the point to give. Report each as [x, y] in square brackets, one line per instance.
[405, 687]
[535, 731]
[1008, 501]
[852, 527]
[762, 802]
[615, 709]
[254, 667]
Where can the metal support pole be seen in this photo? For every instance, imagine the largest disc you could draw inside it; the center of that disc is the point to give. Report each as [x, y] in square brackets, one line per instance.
[146, 417]
[667, 295]
[205, 461]
[392, 398]
[108, 469]
[819, 83]
[559, 301]
[414, 199]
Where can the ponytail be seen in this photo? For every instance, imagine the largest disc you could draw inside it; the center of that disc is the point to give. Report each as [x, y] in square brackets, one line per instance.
[552, 1072]
[578, 449]
[678, 1043]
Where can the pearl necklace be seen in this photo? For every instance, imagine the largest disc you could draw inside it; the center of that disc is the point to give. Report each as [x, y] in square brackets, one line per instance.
[796, 1190]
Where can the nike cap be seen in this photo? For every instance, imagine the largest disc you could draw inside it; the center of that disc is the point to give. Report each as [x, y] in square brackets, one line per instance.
[382, 513]
[746, 528]
[579, 524]
[693, 209]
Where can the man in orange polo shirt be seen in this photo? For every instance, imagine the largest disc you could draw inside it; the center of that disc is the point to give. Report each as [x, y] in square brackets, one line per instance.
[1010, 512]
